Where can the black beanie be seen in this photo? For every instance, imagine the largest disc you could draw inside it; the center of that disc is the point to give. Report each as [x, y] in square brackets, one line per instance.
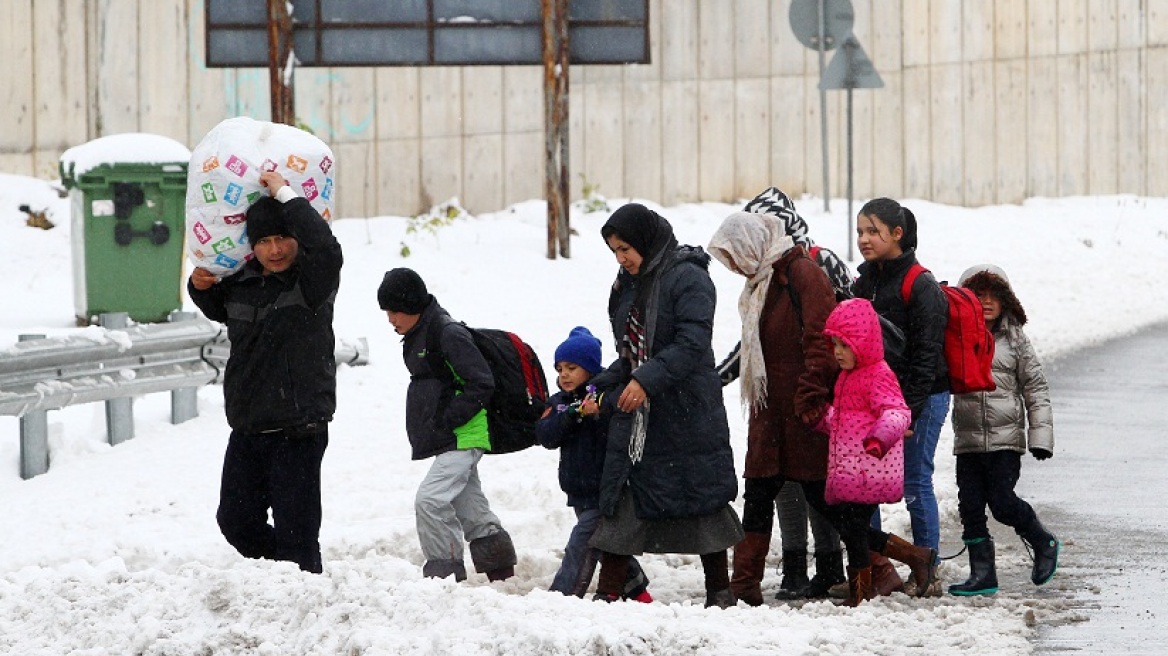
[402, 290]
[266, 218]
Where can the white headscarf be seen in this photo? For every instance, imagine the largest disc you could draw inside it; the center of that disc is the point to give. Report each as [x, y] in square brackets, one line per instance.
[750, 244]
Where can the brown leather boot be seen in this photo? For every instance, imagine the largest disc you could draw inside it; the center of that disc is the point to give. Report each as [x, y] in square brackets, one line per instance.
[919, 559]
[885, 578]
[749, 566]
[859, 586]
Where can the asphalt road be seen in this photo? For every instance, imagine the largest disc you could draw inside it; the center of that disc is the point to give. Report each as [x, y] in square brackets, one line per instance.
[1105, 494]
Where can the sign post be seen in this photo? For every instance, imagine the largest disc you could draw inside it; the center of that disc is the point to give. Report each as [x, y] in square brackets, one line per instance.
[821, 25]
[850, 68]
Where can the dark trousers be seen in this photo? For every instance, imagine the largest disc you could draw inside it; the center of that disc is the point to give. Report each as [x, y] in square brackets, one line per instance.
[850, 520]
[988, 479]
[579, 563]
[279, 471]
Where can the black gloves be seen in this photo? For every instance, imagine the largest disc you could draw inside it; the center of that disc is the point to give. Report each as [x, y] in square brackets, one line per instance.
[1040, 454]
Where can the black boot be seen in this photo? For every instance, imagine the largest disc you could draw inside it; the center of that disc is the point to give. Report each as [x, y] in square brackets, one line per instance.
[829, 570]
[795, 580]
[1046, 552]
[494, 555]
[983, 577]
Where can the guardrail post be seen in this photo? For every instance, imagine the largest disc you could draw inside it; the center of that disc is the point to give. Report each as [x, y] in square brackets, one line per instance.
[119, 413]
[34, 436]
[184, 402]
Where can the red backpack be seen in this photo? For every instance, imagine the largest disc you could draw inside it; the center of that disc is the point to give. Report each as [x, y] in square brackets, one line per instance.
[969, 344]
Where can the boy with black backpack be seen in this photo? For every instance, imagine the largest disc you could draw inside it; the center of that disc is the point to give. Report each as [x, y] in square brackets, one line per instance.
[446, 418]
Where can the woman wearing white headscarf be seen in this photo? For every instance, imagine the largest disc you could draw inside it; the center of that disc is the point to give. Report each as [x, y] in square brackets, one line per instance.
[786, 369]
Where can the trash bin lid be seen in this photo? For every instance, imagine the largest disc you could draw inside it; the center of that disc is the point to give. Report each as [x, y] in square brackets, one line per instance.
[129, 148]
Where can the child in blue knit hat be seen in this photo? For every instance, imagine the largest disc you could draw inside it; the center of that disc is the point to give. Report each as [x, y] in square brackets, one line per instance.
[575, 424]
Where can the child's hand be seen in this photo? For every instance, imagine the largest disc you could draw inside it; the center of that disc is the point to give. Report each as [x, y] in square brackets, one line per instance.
[1040, 454]
[589, 407]
[873, 447]
[811, 417]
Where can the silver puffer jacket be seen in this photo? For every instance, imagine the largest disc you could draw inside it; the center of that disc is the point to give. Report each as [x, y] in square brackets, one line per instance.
[1017, 414]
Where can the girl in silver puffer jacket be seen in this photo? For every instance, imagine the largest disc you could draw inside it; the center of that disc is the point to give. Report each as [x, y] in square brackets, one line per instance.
[993, 430]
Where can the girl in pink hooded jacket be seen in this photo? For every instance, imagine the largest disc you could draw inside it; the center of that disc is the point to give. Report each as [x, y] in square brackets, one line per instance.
[868, 418]
[866, 424]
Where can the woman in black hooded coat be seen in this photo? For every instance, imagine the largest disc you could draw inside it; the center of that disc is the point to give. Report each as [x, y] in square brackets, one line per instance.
[669, 470]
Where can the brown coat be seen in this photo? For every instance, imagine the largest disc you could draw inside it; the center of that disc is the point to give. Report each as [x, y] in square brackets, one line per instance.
[800, 371]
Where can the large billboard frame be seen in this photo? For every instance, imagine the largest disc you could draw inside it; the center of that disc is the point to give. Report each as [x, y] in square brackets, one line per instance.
[329, 33]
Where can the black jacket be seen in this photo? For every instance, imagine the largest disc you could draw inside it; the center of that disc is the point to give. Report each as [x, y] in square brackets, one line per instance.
[581, 441]
[688, 464]
[433, 409]
[923, 323]
[282, 368]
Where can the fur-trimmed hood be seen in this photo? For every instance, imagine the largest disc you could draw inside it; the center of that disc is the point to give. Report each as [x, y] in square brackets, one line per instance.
[987, 277]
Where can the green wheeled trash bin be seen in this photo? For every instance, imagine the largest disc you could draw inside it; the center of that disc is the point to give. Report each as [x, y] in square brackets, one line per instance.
[128, 201]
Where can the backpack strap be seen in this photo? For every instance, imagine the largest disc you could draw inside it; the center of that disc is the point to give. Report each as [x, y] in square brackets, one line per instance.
[793, 293]
[529, 380]
[910, 277]
[439, 367]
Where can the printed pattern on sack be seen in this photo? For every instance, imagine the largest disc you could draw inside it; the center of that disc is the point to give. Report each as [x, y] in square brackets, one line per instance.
[210, 164]
[268, 165]
[310, 191]
[327, 192]
[208, 192]
[298, 164]
[201, 233]
[236, 166]
[326, 214]
[253, 197]
[225, 261]
[234, 191]
[223, 245]
[234, 219]
[326, 164]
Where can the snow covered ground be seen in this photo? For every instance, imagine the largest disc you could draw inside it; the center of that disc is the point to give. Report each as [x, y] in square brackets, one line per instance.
[116, 551]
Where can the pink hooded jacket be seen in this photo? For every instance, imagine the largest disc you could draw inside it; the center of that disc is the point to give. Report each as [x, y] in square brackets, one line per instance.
[868, 403]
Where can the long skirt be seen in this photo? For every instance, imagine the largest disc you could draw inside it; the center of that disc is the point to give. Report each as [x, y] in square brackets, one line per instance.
[626, 534]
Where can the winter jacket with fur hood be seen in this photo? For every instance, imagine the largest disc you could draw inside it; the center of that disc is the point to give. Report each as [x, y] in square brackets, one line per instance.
[868, 404]
[1016, 416]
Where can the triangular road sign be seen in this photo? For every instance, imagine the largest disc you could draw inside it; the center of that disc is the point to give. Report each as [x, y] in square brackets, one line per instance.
[850, 68]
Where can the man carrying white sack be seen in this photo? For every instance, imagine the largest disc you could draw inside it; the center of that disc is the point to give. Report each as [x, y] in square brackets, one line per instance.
[280, 384]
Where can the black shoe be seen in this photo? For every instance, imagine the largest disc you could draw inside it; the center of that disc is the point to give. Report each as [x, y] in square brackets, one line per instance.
[1046, 552]
[720, 598]
[829, 570]
[983, 577]
[795, 579]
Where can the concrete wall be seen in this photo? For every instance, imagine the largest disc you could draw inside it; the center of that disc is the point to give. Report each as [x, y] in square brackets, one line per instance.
[985, 101]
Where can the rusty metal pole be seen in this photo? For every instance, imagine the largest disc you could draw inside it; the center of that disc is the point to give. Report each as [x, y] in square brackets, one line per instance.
[565, 228]
[279, 55]
[555, 105]
[549, 151]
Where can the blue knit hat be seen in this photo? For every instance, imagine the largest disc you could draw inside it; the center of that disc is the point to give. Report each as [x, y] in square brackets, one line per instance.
[581, 348]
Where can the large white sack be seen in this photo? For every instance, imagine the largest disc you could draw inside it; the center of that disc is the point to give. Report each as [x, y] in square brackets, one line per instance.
[223, 180]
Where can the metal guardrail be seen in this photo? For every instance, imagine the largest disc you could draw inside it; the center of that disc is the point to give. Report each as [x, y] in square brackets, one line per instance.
[39, 374]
